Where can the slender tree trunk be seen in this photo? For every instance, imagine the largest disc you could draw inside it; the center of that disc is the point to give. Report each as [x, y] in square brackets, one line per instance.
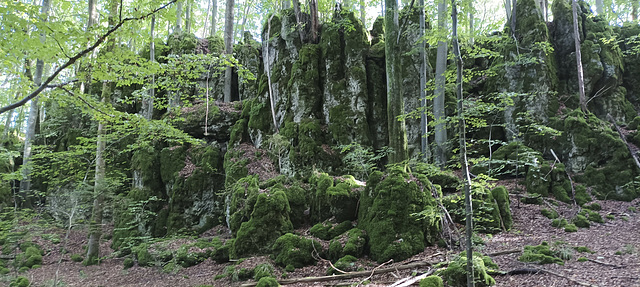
[267, 69]
[440, 81]
[635, 5]
[600, 7]
[395, 102]
[147, 103]
[244, 18]
[206, 20]
[463, 147]
[228, 43]
[313, 11]
[286, 4]
[576, 37]
[471, 23]
[95, 224]
[214, 14]
[424, 131]
[297, 12]
[188, 17]
[363, 13]
[507, 8]
[178, 27]
[25, 193]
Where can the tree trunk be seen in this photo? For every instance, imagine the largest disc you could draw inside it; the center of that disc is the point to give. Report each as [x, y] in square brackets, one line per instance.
[147, 102]
[228, 44]
[471, 23]
[214, 15]
[187, 18]
[95, 224]
[296, 11]
[363, 13]
[313, 11]
[178, 27]
[635, 4]
[600, 7]
[463, 147]
[440, 81]
[576, 37]
[244, 18]
[395, 102]
[25, 194]
[286, 4]
[424, 131]
[206, 20]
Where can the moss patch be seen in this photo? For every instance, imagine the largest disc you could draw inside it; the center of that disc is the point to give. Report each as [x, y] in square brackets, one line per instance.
[296, 251]
[456, 275]
[540, 254]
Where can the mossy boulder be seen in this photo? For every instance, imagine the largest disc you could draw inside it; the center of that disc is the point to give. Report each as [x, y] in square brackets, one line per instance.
[432, 281]
[30, 257]
[501, 197]
[294, 250]
[263, 270]
[387, 208]
[269, 220]
[346, 264]
[456, 272]
[327, 230]
[182, 43]
[20, 281]
[349, 243]
[268, 282]
[334, 197]
[541, 254]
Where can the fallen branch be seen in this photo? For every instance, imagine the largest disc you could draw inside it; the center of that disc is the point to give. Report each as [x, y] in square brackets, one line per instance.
[374, 271]
[605, 263]
[410, 280]
[504, 252]
[349, 275]
[536, 271]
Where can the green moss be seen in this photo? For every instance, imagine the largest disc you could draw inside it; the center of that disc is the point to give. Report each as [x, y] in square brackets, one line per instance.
[31, 256]
[593, 216]
[269, 220]
[21, 281]
[267, 282]
[327, 230]
[386, 209]
[571, 228]
[537, 180]
[559, 223]
[583, 259]
[540, 254]
[551, 214]
[296, 251]
[216, 44]
[349, 243]
[432, 281]
[298, 203]
[583, 249]
[501, 196]
[182, 43]
[456, 275]
[128, 263]
[581, 221]
[76, 258]
[346, 264]
[143, 255]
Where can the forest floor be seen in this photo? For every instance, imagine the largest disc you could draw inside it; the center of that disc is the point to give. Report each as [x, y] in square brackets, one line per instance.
[615, 260]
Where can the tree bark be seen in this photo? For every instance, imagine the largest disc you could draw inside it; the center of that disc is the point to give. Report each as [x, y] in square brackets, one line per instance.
[440, 81]
[424, 130]
[363, 14]
[297, 12]
[635, 5]
[95, 224]
[228, 44]
[147, 102]
[178, 27]
[576, 38]
[25, 194]
[214, 14]
[395, 102]
[463, 147]
[187, 18]
[313, 11]
[600, 7]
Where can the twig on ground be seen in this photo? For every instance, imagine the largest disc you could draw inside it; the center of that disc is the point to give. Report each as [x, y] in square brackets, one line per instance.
[605, 263]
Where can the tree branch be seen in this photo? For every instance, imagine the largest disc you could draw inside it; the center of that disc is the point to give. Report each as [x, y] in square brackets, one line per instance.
[62, 84]
[78, 56]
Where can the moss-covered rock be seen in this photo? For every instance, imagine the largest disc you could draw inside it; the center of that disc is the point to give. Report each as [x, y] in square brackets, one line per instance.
[541, 254]
[349, 243]
[31, 256]
[268, 282]
[263, 270]
[551, 214]
[20, 281]
[182, 43]
[337, 198]
[432, 281]
[501, 197]
[327, 230]
[386, 208]
[269, 220]
[346, 264]
[456, 275]
[294, 250]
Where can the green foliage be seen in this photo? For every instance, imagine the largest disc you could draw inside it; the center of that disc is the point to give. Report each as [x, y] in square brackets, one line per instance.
[570, 228]
[456, 275]
[263, 270]
[581, 221]
[349, 243]
[76, 258]
[128, 263]
[583, 249]
[559, 223]
[327, 230]
[359, 160]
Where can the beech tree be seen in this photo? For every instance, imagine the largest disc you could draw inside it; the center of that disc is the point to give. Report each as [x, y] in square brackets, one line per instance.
[440, 81]
[228, 44]
[576, 37]
[395, 102]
